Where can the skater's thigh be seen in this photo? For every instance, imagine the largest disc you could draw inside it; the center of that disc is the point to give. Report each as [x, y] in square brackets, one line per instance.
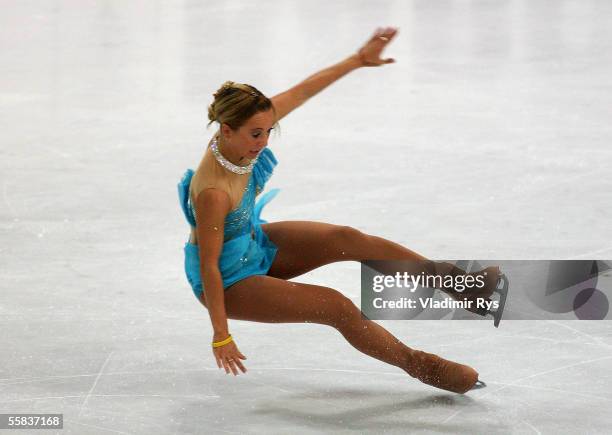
[306, 245]
[262, 298]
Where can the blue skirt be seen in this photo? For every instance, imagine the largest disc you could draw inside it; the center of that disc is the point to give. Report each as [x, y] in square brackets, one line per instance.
[247, 255]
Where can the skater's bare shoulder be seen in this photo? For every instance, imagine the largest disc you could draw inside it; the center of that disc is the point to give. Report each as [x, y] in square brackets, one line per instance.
[209, 175]
[212, 203]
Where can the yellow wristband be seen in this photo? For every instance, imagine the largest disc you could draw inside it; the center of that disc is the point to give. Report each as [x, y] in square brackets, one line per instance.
[222, 343]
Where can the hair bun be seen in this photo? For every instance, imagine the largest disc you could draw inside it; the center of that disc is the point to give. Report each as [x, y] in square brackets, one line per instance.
[228, 85]
[234, 103]
[212, 115]
[224, 87]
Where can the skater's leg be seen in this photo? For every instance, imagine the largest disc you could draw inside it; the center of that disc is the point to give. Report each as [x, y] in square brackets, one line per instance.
[272, 300]
[306, 245]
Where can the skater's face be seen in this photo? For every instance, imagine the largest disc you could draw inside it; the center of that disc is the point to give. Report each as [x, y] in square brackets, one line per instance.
[248, 141]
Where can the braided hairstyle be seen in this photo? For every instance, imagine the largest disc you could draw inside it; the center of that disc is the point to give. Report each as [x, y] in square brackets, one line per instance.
[234, 103]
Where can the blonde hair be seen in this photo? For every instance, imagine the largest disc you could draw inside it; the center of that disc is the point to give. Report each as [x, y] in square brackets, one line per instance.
[234, 103]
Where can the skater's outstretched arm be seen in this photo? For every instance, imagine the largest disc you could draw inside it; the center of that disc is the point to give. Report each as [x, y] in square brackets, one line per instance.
[367, 55]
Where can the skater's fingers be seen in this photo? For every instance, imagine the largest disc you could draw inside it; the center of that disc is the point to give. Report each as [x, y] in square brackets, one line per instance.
[223, 358]
[232, 366]
[240, 365]
[218, 358]
[226, 367]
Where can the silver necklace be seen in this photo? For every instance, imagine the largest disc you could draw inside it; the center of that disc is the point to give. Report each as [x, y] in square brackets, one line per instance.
[229, 165]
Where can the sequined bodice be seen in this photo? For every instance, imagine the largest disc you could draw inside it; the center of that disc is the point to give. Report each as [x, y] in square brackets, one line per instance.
[242, 219]
[237, 221]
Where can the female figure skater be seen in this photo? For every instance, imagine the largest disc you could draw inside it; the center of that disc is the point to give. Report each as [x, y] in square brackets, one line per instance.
[239, 265]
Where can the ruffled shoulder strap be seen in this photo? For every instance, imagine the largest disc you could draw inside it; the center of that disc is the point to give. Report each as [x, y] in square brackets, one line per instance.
[183, 192]
[262, 171]
[261, 203]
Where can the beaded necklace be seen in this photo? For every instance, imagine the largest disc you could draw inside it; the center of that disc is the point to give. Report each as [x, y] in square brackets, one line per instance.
[229, 165]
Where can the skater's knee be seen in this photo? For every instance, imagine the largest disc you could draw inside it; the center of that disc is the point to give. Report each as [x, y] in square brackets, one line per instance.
[351, 241]
[345, 234]
[343, 310]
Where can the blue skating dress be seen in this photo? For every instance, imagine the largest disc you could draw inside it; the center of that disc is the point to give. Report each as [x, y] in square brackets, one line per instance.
[247, 250]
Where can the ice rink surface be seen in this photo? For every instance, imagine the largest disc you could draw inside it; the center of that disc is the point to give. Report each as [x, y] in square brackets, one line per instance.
[488, 139]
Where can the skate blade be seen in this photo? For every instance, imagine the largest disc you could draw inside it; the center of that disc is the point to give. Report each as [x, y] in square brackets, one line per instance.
[503, 295]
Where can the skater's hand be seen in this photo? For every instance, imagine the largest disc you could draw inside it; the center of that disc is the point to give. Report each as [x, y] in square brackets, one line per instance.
[370, 53]
[228, 356]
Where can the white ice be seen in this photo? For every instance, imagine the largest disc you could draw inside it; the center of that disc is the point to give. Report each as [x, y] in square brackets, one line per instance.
[489, 138]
